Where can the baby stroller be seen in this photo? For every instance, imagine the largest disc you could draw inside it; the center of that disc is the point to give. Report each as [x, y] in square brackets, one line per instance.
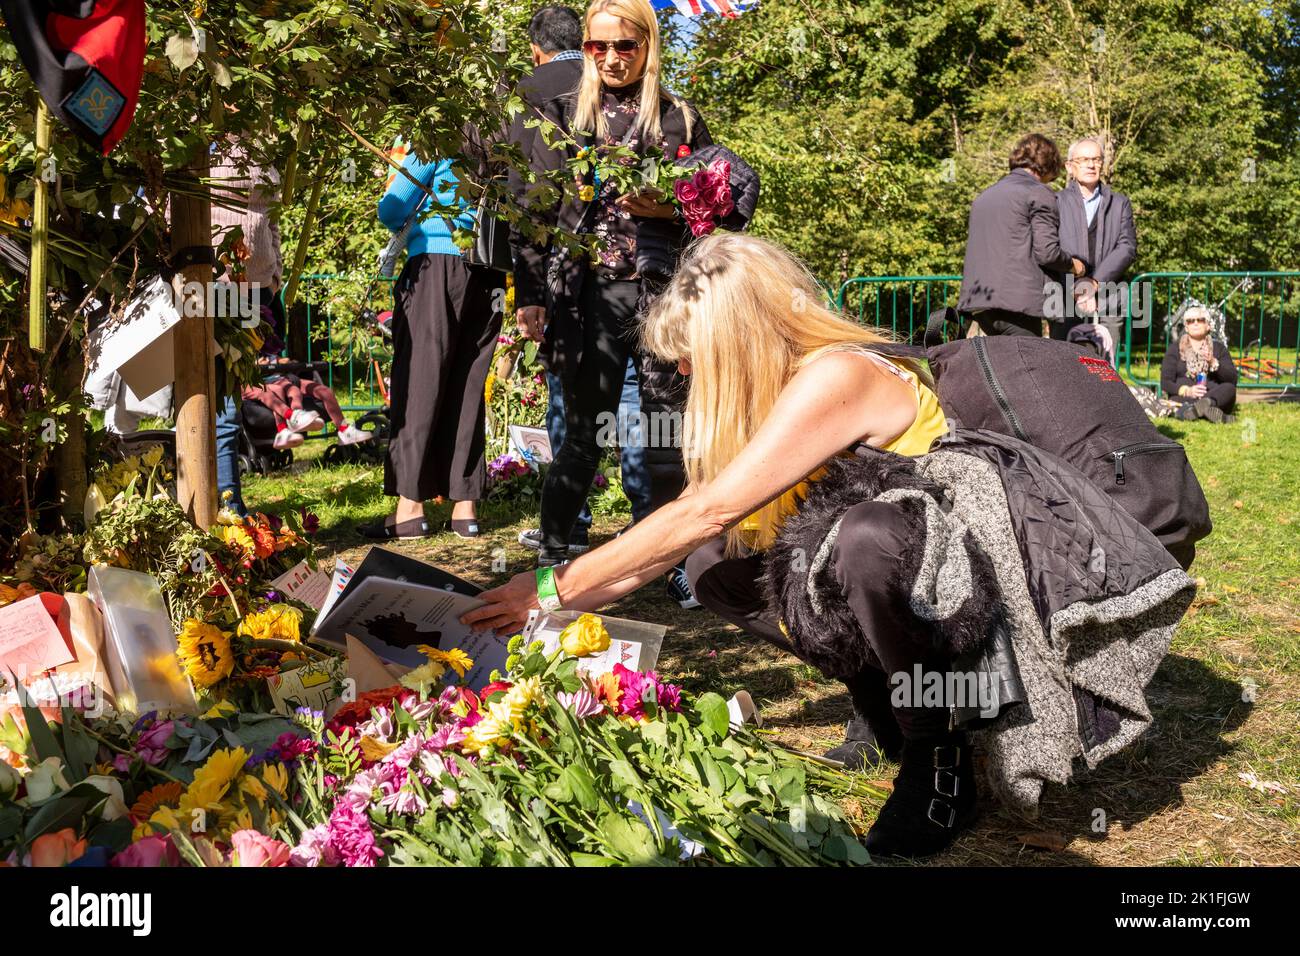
[258, 427]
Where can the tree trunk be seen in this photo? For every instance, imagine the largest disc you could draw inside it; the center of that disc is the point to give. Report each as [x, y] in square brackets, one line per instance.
[196, 461]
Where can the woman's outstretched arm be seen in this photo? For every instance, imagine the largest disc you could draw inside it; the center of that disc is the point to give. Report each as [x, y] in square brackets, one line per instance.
[836, 401]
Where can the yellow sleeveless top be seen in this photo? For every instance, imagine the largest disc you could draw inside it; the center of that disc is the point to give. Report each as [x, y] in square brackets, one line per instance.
[928, 426]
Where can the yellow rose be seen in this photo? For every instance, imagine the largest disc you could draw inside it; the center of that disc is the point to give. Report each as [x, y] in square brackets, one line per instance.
[586, 635]
[587, 193]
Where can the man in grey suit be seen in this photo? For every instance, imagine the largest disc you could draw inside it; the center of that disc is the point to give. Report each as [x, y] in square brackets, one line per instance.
[1096, 225]
[1013, 253]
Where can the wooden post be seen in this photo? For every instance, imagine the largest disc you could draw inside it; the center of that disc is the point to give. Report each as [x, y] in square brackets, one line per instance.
[40, 233]
[194, 400]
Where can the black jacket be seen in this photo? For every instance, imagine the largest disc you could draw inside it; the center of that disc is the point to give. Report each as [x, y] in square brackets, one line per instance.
[542, 85]
[1012, 248]
[1173, 370]
[561, 350]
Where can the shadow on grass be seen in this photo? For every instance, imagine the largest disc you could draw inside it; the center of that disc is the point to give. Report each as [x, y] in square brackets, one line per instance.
[1194, 709]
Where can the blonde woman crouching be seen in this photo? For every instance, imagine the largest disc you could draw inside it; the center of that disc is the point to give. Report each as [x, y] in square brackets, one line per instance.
[808, 522]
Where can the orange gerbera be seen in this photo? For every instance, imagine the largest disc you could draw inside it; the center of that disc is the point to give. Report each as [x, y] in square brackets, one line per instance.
[165, 794]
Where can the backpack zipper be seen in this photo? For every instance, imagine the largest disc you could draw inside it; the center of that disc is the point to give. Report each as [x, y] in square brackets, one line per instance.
[1141, 448]
[996, 387]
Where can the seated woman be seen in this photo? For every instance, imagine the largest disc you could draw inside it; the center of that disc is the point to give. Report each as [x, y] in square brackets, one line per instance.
[1200, 353]
[809, 522]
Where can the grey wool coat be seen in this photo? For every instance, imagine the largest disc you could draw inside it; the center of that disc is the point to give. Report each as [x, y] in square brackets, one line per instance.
[1014, 547]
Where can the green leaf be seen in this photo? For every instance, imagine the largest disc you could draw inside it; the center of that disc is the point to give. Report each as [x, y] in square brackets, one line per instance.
[114, 834]
[78, 745]
[11, 821]
[712, 711]
[65, 810]
[182, 51]
[591, 859]
[583, 787]
[630, 839]
[44, 745]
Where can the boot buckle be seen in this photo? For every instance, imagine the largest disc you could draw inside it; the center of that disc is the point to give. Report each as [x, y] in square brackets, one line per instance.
[939, 806]
[952, 762]
[952, 779]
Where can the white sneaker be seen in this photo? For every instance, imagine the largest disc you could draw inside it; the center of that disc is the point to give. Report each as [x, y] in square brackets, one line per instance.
[352, 435]
[303, 420]
[286, 438]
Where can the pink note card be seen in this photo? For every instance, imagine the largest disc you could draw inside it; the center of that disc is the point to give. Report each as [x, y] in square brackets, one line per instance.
[30, 642]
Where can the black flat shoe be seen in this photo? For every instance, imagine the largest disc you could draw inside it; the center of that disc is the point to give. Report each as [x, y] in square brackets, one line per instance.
[464, 527]
[933, 800]
[401, 531]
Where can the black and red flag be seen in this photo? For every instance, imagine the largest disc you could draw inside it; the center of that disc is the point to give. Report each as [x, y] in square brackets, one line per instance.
[86, 58]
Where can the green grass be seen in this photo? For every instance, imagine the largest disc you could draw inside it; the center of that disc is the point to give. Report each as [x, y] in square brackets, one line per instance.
[1175, 798]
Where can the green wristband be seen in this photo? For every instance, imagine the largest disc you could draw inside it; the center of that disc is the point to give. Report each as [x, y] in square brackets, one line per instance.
[548, 597]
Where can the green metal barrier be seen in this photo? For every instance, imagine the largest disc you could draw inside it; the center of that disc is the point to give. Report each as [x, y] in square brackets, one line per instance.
[898, 303]
[336, 335]
[1262, 312]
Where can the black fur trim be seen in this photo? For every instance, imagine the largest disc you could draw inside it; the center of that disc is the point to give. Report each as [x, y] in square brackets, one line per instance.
[834, 641]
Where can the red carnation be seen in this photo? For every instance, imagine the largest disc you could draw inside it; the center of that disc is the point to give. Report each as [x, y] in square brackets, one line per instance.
[683, 151]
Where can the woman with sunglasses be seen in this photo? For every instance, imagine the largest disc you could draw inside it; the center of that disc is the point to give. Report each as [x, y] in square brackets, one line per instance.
[1199, 373]
[585, 312]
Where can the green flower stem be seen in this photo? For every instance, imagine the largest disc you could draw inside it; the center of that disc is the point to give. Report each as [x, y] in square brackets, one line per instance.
[273, 644]
[129, 753]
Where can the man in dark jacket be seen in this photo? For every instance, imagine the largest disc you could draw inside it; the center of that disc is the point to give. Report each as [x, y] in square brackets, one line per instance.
[1097, 226]
[1012, 249]
[555, 35]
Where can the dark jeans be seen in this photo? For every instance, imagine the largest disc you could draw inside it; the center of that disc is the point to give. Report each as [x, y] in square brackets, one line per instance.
[871, 543]
[591, 400]
[228, 456]
[1002, 322]
[631, 456]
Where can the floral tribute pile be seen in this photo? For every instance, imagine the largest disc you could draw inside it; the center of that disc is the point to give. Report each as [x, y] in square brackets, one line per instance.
[543, 767]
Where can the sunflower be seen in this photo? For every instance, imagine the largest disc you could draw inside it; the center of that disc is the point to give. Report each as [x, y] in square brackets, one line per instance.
[281, 622]
[276, 777]
[204, 652]
[165, 794]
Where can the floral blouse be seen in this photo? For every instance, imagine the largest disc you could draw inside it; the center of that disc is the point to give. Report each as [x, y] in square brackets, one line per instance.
[615, 227]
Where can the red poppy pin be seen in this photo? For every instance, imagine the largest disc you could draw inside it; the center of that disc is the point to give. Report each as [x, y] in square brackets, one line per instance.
[683, 151]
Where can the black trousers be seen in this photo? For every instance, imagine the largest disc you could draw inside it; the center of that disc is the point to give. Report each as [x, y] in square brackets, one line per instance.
[444, 333]
[591, 395]
[872, 540]
[1002, 322]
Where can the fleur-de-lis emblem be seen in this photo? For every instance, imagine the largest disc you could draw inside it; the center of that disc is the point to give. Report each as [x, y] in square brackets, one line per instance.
[97, 103]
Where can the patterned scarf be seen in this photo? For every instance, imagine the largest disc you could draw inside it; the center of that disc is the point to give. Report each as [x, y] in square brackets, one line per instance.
[1198, 357]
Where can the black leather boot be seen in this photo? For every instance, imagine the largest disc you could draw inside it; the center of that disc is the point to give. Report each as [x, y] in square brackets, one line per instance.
[862, 748]
[873, 734]
[932, 802]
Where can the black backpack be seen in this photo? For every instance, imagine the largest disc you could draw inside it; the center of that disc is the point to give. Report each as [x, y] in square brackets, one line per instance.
[1058, 397]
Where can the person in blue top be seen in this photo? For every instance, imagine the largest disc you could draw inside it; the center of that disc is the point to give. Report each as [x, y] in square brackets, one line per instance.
[445, 329]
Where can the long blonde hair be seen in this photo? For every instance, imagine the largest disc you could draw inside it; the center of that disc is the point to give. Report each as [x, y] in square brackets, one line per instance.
[748, 315]
[588, 115]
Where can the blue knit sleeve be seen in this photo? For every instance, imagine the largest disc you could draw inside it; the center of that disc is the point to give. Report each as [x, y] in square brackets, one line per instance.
[402, 196]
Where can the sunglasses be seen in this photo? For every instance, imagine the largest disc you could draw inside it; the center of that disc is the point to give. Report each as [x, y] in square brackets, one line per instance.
[626, 48]
[1195, 319]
